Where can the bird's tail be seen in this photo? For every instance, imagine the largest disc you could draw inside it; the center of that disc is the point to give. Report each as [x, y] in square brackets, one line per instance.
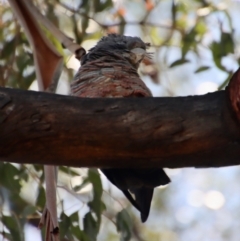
[140, 183]
[143, 199]
[150, 179]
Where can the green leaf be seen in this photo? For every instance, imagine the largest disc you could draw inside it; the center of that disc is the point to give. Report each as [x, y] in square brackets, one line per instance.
[96, 204]
[179, 62]
[91, 226]
[221, 49]
[77, 34]
[64, 226]
[68, 171]
[92, 223]
[8, 48]
[226, 81]
[217, 54]
[154, 33]
[82, 185]
[13, 225]
[202, 68]
[79, 234]
[74, 217]
[23, 61]
[27, 81]
[24, 175]
[29, 210]
[55, 42]
[9, 177]
[227, 44]
[188, 41]
[201, 28]
[84, 5]
[41, 199]
[100, 6]
[124, 225]
[38, 168]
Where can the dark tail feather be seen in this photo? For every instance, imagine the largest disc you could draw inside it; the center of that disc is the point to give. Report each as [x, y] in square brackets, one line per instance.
[131, 200]
[143, 197]
[140, 182]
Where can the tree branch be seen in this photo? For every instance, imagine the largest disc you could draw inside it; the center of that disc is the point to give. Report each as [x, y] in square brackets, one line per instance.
[43, 128]
[121, 23]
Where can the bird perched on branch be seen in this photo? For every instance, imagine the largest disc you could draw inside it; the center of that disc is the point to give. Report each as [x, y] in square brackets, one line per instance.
[110, 70]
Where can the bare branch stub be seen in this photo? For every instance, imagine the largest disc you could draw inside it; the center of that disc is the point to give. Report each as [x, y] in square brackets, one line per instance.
[233, 91]
[79, 53]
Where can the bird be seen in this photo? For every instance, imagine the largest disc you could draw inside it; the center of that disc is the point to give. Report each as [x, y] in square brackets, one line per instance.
[109, 69]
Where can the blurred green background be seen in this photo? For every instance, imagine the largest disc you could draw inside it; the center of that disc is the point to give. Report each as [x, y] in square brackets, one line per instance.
[196, 46]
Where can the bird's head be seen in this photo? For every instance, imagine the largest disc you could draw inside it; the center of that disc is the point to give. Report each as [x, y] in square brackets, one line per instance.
[133, 49]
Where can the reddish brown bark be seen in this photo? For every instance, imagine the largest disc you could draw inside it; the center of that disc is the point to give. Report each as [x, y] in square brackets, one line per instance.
[173, 132]
[233, 92]
[199, 131]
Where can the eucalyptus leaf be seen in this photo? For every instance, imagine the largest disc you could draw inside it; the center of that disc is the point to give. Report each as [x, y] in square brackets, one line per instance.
[201, 69]
[91, 226]
[41, 199]
[179, 62]
[13, 225]
[124, 225]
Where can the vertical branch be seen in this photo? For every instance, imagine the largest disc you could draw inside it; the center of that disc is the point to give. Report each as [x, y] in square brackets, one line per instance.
[49, 216]
[48, 73]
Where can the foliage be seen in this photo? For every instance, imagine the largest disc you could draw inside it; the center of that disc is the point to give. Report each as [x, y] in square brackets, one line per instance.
[191, 30]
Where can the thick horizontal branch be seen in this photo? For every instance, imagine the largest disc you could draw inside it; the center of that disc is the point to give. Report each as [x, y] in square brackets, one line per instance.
[43, 128]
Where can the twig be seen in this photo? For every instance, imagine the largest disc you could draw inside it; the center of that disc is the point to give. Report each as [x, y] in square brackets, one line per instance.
[76, 11]
[63, 38]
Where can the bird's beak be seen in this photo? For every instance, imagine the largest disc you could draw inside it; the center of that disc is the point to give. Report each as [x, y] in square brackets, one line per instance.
[139, 53]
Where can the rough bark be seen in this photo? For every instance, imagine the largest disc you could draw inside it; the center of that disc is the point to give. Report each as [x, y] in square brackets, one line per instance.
[194, 131]
[37, 127]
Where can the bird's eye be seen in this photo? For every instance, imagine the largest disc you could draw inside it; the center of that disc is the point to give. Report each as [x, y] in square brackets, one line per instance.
[132, 44]
[147, 45]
